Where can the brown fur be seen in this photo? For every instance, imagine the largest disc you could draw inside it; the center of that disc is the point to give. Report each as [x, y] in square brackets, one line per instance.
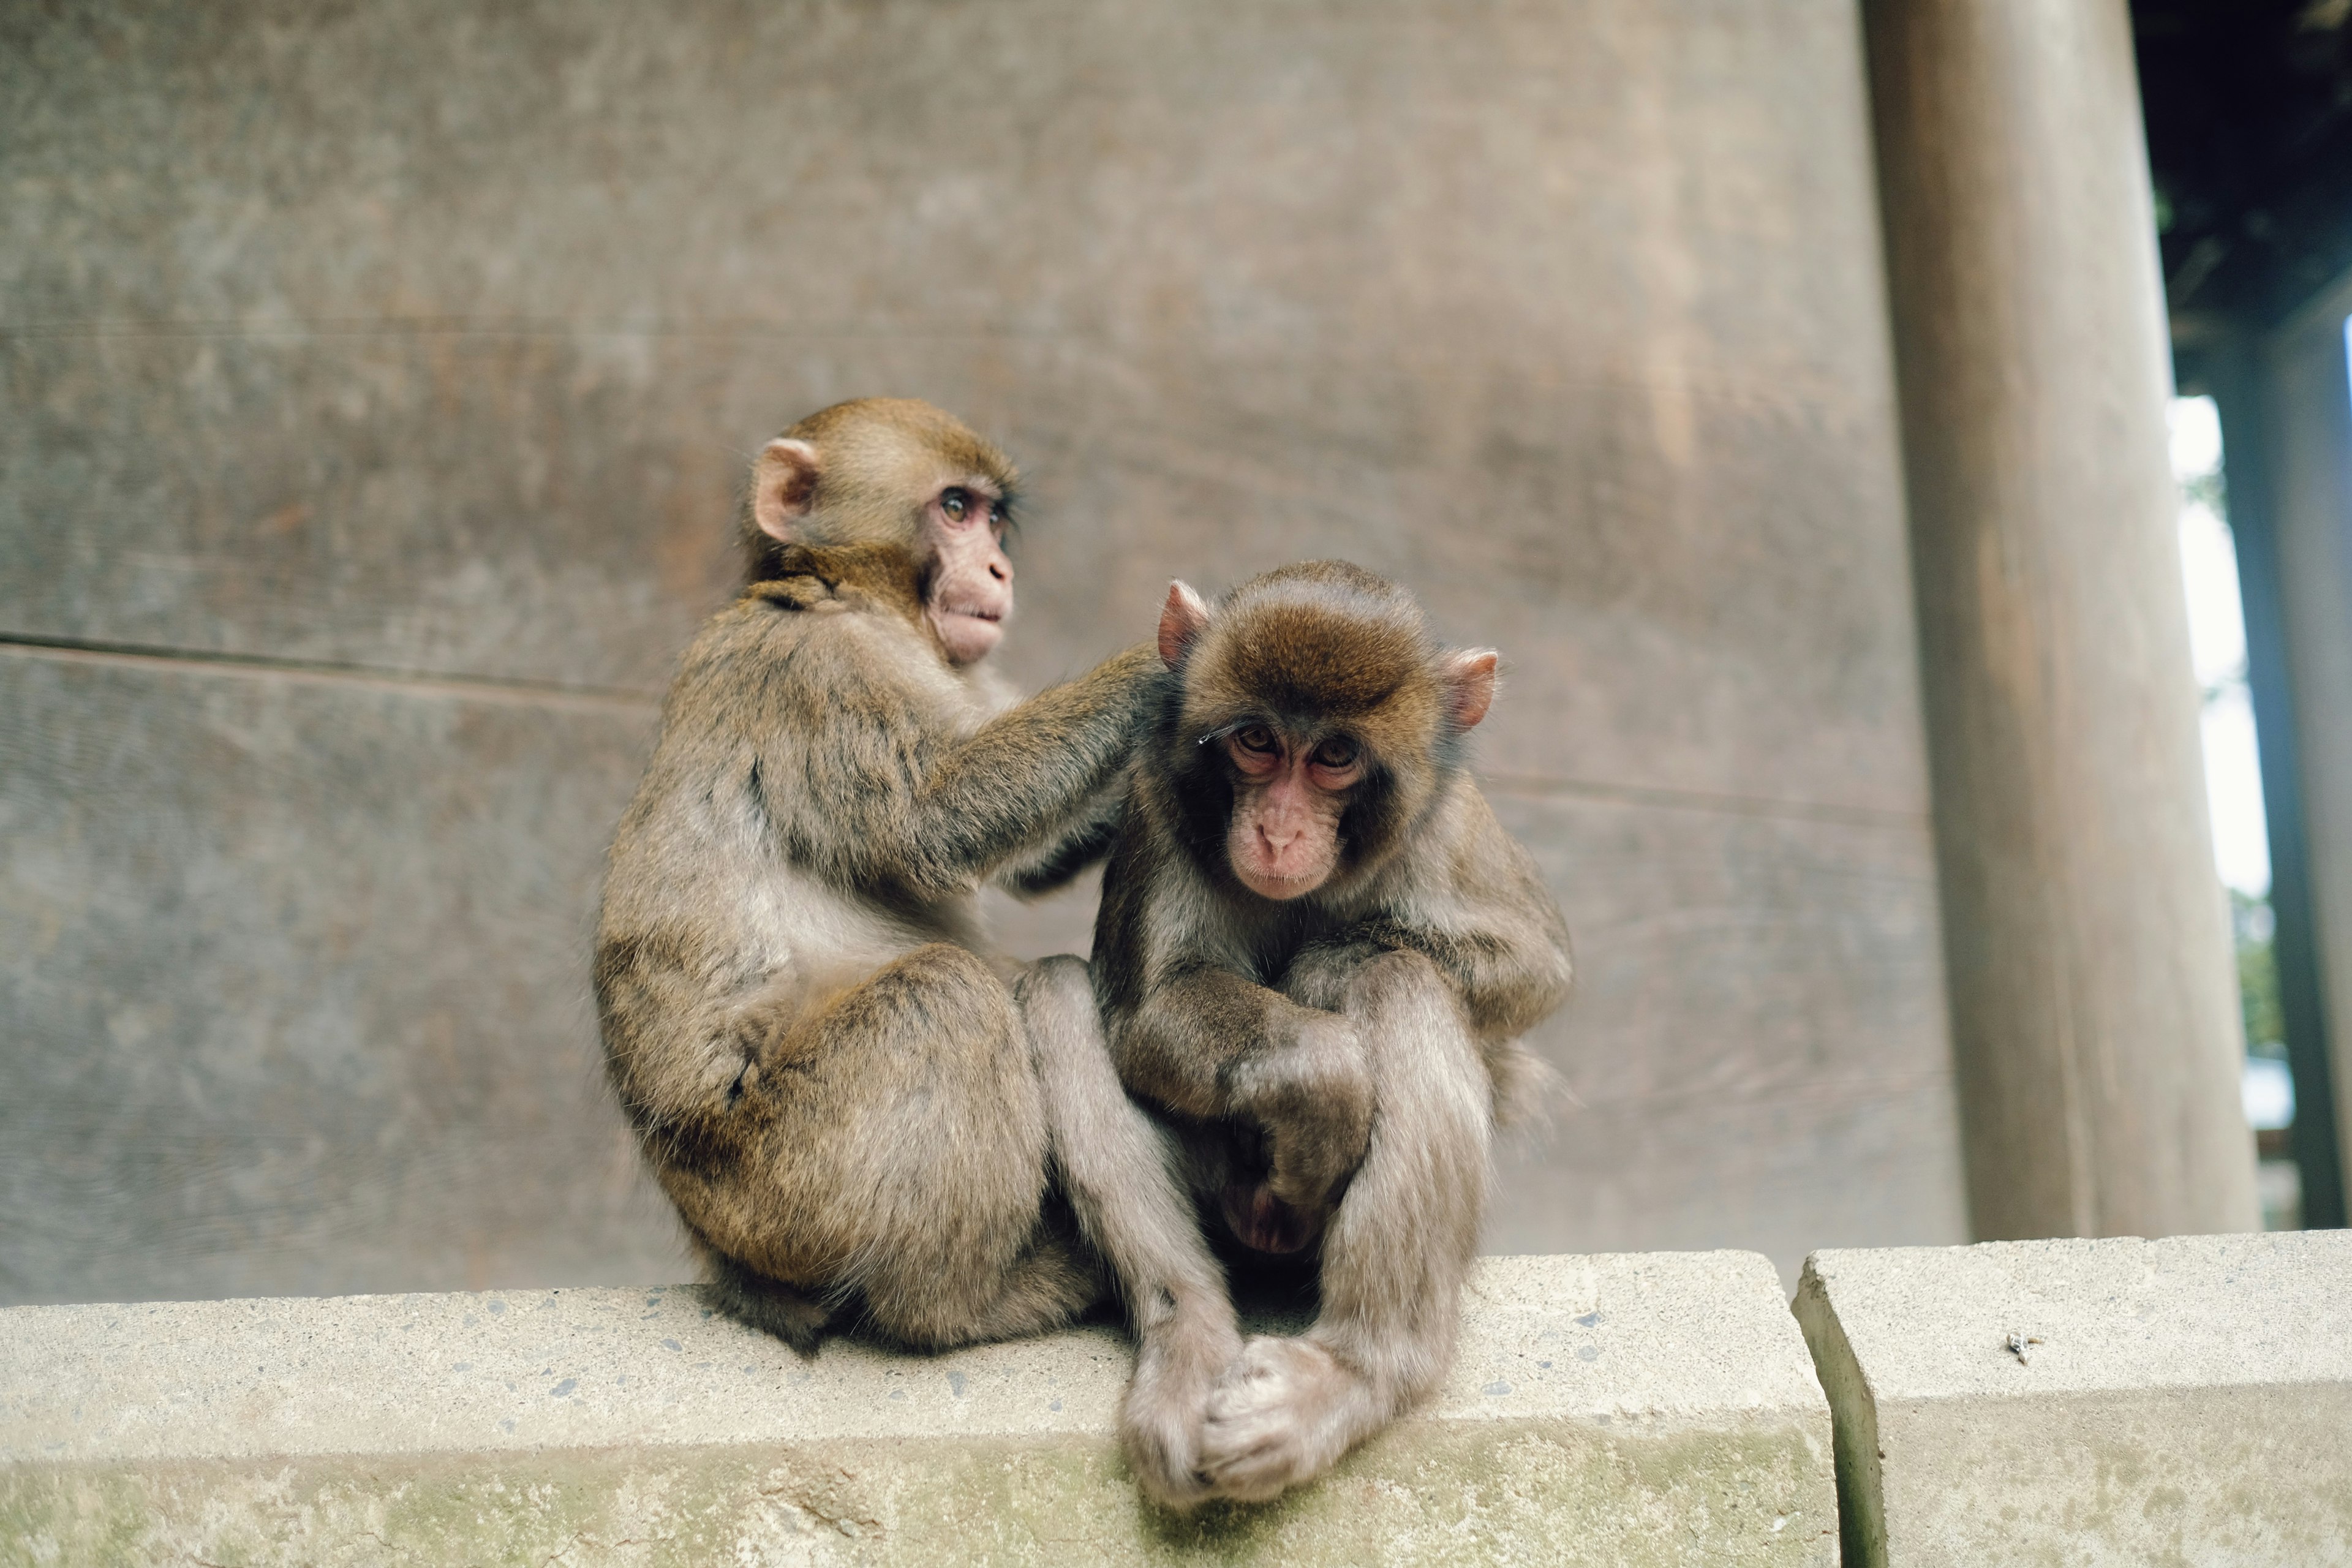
[1334, 1063]
[880, 451]
[828, 1071]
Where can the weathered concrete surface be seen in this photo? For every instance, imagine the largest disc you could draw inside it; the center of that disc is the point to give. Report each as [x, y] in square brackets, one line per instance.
[292, 997]
[297, 1003]
[1608, 1410]
[431, 343]
[2188, 1400]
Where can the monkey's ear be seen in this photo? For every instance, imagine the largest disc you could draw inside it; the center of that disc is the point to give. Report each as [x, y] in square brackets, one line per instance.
[1181, 619]
[784, 486]
[1470, 685]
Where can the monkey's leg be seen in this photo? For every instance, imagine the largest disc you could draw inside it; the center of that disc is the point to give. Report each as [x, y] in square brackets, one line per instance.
[1393, 1257]
[894, 1146]
[1117, 1168]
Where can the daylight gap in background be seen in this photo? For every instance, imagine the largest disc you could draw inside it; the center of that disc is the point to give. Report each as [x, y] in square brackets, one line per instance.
[2233, 789]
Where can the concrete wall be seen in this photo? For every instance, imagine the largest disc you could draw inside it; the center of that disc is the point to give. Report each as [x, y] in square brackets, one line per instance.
[374, 384]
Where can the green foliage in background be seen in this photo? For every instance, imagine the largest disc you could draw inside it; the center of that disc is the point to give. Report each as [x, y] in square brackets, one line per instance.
[2207, 489]
[2258, 982]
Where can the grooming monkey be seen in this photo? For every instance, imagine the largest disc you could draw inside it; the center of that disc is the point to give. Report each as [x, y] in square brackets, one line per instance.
[1317, 951]
[851, 1108]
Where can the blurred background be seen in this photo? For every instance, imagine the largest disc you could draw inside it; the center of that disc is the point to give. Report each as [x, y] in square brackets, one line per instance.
[376, 383]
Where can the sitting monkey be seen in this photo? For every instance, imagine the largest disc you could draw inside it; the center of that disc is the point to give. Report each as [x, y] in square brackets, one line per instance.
[851, 1110]
[1317, 951]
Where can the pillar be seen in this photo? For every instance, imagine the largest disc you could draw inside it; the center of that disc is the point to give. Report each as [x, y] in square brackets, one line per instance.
[2093, 1009]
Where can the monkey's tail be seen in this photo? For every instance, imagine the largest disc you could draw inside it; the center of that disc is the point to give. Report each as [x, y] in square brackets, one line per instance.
[1530, 1096]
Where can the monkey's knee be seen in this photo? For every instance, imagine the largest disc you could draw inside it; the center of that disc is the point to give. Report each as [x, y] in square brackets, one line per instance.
[938, 986]
[1056, 1001]
[1064, 978]
[1319, 1087]
[906, 1132]
[1400, 978]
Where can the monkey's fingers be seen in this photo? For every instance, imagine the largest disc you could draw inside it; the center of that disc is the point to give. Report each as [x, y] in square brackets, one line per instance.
[1163, 1449]
[1160, 1426]
[1286, 1414]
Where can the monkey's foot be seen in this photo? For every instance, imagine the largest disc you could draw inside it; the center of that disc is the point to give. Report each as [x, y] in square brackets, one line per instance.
[1176, 1370]
[768, 1304]
[1287, 1412]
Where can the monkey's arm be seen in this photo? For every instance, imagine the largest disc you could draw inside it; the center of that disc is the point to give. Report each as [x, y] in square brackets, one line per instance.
[1208, 1044]
[1084, 842]
[876, 801]
[1511, 955]
[1185, 1043]
[1023, 775]
[1500, 940]
[1508, 981]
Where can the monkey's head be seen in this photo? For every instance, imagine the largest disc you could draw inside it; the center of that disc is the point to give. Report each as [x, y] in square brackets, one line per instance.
[1316, 724]
[893, 470]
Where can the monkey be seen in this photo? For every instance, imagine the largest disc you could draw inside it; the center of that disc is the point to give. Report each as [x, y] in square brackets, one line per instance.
[863, 1117]
[1316, 951]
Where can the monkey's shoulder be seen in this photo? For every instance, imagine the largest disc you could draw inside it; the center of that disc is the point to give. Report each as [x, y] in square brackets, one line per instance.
[1478, 848]
[812, 580]
[777, 648]
[1466, 868]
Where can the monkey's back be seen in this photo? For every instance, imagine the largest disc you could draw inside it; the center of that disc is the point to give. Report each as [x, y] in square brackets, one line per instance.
[726, 888]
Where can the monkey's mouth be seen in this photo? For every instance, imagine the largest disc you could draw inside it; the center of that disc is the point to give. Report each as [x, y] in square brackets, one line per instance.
[1279, 888]
[973, 613]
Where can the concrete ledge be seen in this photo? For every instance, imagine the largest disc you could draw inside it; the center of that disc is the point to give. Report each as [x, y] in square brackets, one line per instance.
[1630, 1409]
[2179, 1401]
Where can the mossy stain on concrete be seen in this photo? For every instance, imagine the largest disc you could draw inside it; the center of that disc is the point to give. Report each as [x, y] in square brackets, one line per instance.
[1500, 1492]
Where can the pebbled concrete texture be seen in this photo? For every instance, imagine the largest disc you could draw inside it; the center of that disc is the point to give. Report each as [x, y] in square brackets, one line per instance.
[2187, 1400]
[1613, 1409]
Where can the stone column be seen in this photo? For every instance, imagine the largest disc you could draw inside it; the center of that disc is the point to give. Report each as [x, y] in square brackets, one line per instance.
[2226, 361]
[2307, 402]
[2093, 1009]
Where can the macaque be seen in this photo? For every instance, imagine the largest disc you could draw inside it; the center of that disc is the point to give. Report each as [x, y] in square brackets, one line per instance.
[1316, 951]
[860, 1113]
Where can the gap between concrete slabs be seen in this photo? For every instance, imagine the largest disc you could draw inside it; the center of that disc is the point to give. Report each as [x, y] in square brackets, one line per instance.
[2117, 1400]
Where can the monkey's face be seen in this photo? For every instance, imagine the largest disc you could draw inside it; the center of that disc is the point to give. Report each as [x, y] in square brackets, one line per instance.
[1316, 721]
[1291, 791]
[971, 593]
[899, 472]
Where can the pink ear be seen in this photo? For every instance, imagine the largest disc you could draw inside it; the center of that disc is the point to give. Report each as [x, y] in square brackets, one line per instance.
[1181, 619]
[1470, 682]
[784, 486]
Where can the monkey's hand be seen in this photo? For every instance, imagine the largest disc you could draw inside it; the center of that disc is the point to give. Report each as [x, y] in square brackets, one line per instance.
[1320, 975]
[1313, 1095]
[1183, 1355]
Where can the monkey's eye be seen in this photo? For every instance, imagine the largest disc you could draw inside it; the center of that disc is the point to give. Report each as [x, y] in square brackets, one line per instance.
[955, 501]
[1335, 754]
[1257, 740]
